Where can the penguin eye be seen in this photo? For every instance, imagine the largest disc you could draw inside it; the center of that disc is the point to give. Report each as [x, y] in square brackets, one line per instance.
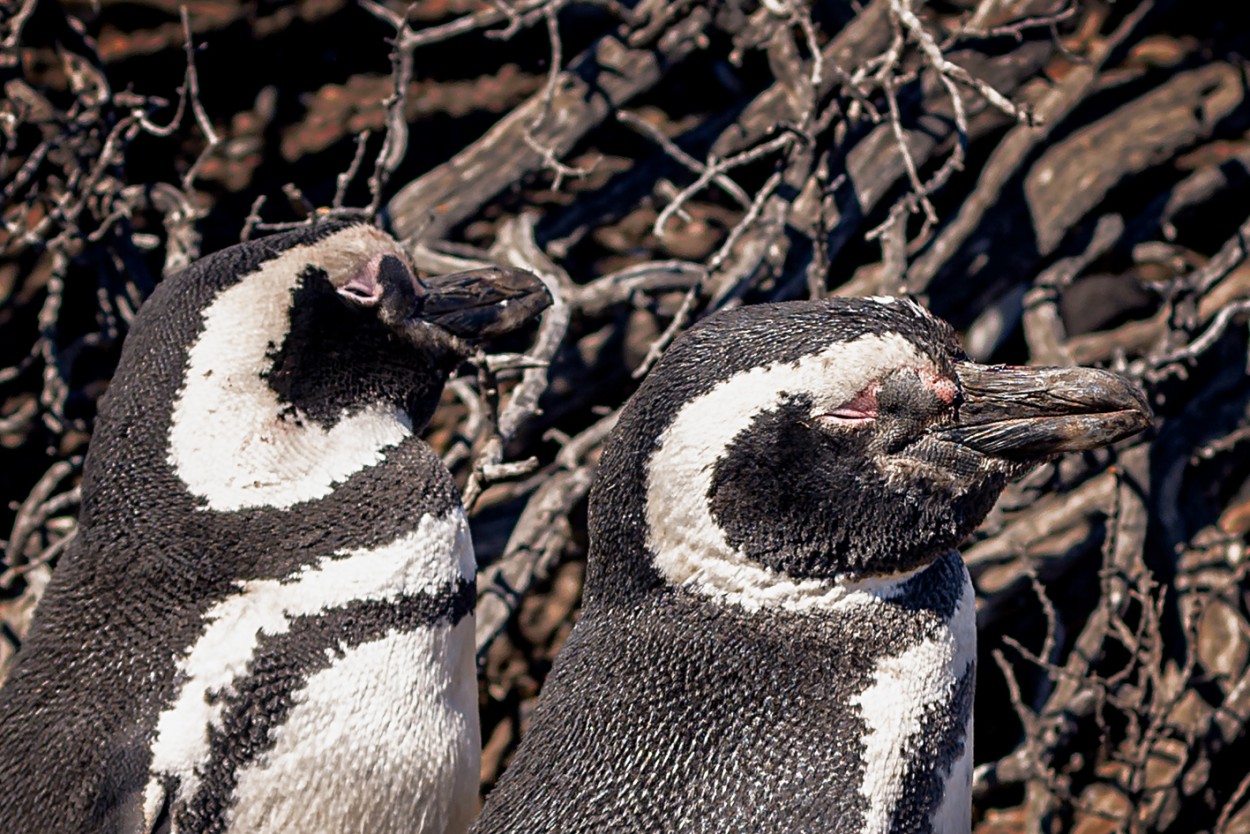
[857, 411]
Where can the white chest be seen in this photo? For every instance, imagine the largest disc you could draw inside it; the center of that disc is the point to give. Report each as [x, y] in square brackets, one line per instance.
[381, 737]
[905, 687]
[385, 740]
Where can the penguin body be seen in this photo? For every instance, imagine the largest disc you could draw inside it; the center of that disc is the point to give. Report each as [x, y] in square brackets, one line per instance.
[265, 622]
[753, 734]
[777, 634]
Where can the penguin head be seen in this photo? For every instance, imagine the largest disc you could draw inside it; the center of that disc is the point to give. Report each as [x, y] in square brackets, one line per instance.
[364, 327]
[277, 368]
[779, 452]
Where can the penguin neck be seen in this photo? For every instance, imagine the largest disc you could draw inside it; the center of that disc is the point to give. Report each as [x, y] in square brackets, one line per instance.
[937, 594]
[700, 560]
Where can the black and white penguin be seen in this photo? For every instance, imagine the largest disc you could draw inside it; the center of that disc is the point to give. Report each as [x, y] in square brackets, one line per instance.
[265, 622]
[777, 634]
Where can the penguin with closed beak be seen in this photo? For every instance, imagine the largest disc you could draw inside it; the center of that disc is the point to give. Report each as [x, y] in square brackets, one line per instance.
[265, 623]
[777, 633]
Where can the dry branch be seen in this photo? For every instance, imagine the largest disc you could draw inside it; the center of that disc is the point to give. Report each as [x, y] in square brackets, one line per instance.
[605, 78]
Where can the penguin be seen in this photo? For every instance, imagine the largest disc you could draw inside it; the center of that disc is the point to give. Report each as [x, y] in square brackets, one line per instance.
[265, 621]
[777, 633]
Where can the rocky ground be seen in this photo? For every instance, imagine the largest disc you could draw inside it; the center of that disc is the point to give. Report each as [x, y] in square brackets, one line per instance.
[1066, 181]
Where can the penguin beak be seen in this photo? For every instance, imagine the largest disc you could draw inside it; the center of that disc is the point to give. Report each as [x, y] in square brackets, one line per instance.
[471, 306]
[1031, 414]
[482, 303]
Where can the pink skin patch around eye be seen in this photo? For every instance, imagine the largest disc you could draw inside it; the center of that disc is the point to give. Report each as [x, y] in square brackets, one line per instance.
[944, 388]
[860, 409]
[364, 288]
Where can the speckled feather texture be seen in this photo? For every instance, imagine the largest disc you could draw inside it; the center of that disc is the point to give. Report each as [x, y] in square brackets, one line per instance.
[682, 716]
[776, 635]
[265, 623]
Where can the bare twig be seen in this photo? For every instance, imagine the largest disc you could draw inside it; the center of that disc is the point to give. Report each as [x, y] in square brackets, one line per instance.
[516, 246]
[436, 202]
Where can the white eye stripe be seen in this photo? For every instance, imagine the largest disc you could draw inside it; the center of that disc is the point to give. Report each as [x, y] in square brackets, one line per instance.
[689, 547]
[228, 440]
[897, 299]
[842, 417]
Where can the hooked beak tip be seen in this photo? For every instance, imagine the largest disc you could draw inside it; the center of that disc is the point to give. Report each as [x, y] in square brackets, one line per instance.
[1031, 414]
